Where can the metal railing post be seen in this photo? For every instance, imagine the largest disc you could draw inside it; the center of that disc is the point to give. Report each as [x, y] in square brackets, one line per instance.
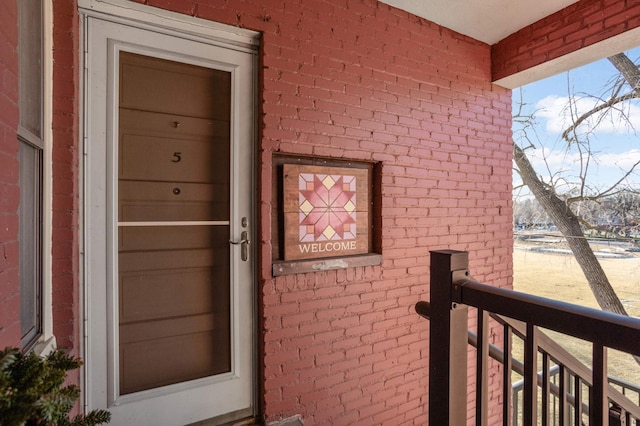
[447, 341]
[482, 365]
[598, 399]
[530, 403]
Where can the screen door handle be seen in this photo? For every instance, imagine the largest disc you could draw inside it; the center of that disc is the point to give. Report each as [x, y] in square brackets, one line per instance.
[244, 245]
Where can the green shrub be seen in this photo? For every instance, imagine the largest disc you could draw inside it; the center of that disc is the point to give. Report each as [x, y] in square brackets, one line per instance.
[32, 391]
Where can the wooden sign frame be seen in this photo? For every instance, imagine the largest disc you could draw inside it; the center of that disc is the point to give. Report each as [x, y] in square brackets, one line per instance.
[326, 211]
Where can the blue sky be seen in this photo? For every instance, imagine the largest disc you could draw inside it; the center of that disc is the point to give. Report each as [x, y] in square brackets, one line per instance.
[616, 143]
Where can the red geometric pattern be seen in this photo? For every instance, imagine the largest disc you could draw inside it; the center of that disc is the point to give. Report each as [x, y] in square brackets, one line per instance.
[327, 207]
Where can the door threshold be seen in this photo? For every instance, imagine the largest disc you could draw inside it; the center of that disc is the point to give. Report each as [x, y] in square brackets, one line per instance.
[238, 418]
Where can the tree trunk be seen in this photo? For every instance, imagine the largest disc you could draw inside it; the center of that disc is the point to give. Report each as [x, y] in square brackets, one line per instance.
[569, 225]
[627, 68]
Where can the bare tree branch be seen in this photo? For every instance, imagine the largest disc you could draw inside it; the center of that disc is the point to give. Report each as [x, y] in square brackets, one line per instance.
[601, 107]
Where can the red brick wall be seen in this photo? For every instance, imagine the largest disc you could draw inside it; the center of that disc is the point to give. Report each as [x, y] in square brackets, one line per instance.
[577, 26]
[9, 191]
[361, 80]
[66, 178]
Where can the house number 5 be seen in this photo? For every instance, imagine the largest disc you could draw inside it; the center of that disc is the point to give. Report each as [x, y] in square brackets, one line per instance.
[177, 156]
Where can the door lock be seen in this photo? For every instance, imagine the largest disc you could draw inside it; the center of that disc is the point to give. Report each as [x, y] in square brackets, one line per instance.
[244, 245]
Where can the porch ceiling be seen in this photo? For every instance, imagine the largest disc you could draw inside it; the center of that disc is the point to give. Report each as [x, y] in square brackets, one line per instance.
[488, 21]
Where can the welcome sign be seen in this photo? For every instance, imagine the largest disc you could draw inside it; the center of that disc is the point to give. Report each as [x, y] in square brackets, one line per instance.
[326, 211]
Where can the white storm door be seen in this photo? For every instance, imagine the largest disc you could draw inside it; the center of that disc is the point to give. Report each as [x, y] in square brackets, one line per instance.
[168, 190]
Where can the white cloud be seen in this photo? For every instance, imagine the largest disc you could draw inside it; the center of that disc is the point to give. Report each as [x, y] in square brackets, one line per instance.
[555, 109]
[555, 160]
[623, 160]
[605, 168]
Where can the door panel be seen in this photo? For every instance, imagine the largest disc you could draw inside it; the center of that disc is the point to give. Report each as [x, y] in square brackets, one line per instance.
[169, 184]
[196, 295]
[159, 347]
[149, 142]
[140, 201]
[153, 238]
[149, 364]
[187, 90]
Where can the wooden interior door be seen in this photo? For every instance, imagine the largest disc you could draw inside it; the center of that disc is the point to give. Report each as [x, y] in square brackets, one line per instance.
[173, 222]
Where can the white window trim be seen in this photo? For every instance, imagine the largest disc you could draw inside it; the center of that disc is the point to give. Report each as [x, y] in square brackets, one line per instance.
[47, 341]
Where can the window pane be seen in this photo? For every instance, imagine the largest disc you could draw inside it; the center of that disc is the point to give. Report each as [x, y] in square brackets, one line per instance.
[30, 102]
[30, 65]
[30, 240]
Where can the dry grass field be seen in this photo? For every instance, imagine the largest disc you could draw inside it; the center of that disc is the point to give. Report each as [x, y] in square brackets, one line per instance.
[558, 276]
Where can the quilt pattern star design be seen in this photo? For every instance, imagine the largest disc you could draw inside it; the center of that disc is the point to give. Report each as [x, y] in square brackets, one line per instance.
[327, 207]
